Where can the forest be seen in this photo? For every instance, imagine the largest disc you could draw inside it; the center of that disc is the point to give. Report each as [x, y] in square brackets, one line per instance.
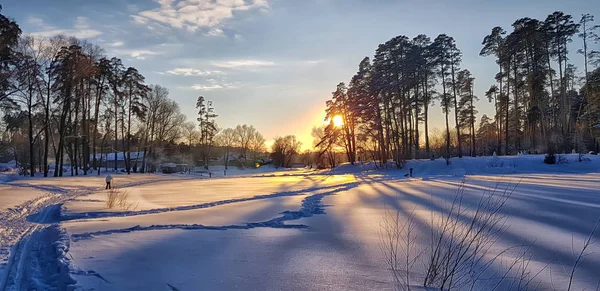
[542, 102]
[66, 105]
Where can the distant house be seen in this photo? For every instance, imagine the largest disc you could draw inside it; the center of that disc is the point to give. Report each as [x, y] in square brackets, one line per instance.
[168, 168]
[108, 159]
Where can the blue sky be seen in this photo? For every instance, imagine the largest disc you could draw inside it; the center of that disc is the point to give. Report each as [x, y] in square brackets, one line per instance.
[274, 63]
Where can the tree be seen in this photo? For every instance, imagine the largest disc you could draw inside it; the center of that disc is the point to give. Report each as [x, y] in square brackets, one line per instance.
[134, 91]
[342, 107]
[560, 29]
[162, 126]
[9, 38]
[441, 51]
[227, 138]
[247, 138]
[486, 135]
[190, 132]
[449, 54]
[115, 80]
[208, 127]
[326, 139]
[284, 149]
[256, 146]
[28, 79]
[466, 105]
[493, 45]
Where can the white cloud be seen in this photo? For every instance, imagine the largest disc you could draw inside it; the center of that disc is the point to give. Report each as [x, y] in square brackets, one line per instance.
[238, 37]
[213, 84]
[192, 72]
[81, 29]
[35, 21]
[244, 64]
[206, 87]
[215, 32]
[195, 14]
[139, 54]
[116, 44]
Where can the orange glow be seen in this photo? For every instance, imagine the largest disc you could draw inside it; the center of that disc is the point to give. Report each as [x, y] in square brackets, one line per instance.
[338, 121]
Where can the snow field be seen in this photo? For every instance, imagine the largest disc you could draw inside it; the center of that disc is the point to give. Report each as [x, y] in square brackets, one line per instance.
[321, 230]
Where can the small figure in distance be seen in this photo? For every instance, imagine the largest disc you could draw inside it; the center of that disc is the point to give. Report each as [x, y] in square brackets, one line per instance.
[109, 179]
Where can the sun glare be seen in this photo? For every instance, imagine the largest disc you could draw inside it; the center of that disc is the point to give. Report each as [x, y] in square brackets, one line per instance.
[338, 121]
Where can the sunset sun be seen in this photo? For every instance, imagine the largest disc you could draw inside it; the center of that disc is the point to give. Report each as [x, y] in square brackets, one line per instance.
[338, 121]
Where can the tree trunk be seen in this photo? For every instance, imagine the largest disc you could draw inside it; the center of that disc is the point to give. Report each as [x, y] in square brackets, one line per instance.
[116, 126]
[459, 138]
[506, 105]
[426, 117]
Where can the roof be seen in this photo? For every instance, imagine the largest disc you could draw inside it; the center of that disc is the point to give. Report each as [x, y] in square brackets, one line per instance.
[120, 156]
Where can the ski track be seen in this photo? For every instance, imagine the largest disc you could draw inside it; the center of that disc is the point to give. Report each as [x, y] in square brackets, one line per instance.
[94, 215]
[32, 228]
[311, 205]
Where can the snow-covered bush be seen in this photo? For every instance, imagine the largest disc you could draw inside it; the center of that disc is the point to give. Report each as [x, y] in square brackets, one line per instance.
[550, 159]
[495, 162]
[562, 159]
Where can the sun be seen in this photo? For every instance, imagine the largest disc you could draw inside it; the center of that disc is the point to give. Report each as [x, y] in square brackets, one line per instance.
[338, 121]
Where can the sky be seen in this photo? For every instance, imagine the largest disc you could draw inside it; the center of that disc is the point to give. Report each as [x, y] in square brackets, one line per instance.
[274, 63]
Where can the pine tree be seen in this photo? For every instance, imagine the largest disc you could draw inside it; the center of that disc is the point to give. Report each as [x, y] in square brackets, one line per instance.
[208, 127]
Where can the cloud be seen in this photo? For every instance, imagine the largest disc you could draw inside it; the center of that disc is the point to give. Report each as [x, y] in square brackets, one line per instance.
[81, 29]
[244, 64]
[206, 87]
[215, 32]
[139, 54]
[194, 14]
[116, 44]
[213, 84]
[191, 72]
[35, 21]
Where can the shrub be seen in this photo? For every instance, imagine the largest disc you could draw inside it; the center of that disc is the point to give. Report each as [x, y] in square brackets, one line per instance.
[117, 198]
[461, 248]
[562, 160]
[550, 159]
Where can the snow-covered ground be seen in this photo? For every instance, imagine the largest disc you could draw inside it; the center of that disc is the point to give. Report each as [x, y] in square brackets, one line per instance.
[297, 230]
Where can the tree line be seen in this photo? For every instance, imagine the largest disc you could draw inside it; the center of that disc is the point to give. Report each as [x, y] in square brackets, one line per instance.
[63, 100]
[542, 103]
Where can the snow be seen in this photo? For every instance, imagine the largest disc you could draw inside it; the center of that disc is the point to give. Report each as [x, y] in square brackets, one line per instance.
[305, 230]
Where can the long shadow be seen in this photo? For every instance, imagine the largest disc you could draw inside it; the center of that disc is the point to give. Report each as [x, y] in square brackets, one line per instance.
[290, 260]
[190, 207]
[311, 205]
[45, 188]
[540, 252]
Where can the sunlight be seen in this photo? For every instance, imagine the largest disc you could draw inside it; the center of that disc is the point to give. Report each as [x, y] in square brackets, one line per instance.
[338, 121]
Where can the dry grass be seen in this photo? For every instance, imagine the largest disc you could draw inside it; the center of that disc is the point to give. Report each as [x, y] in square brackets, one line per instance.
[459, 255]
[116, 198]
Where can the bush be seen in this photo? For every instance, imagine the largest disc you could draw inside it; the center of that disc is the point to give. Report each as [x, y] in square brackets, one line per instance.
[495, 162]
[562, 160]
[550, 159]
[117, 198]
[460, 247]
